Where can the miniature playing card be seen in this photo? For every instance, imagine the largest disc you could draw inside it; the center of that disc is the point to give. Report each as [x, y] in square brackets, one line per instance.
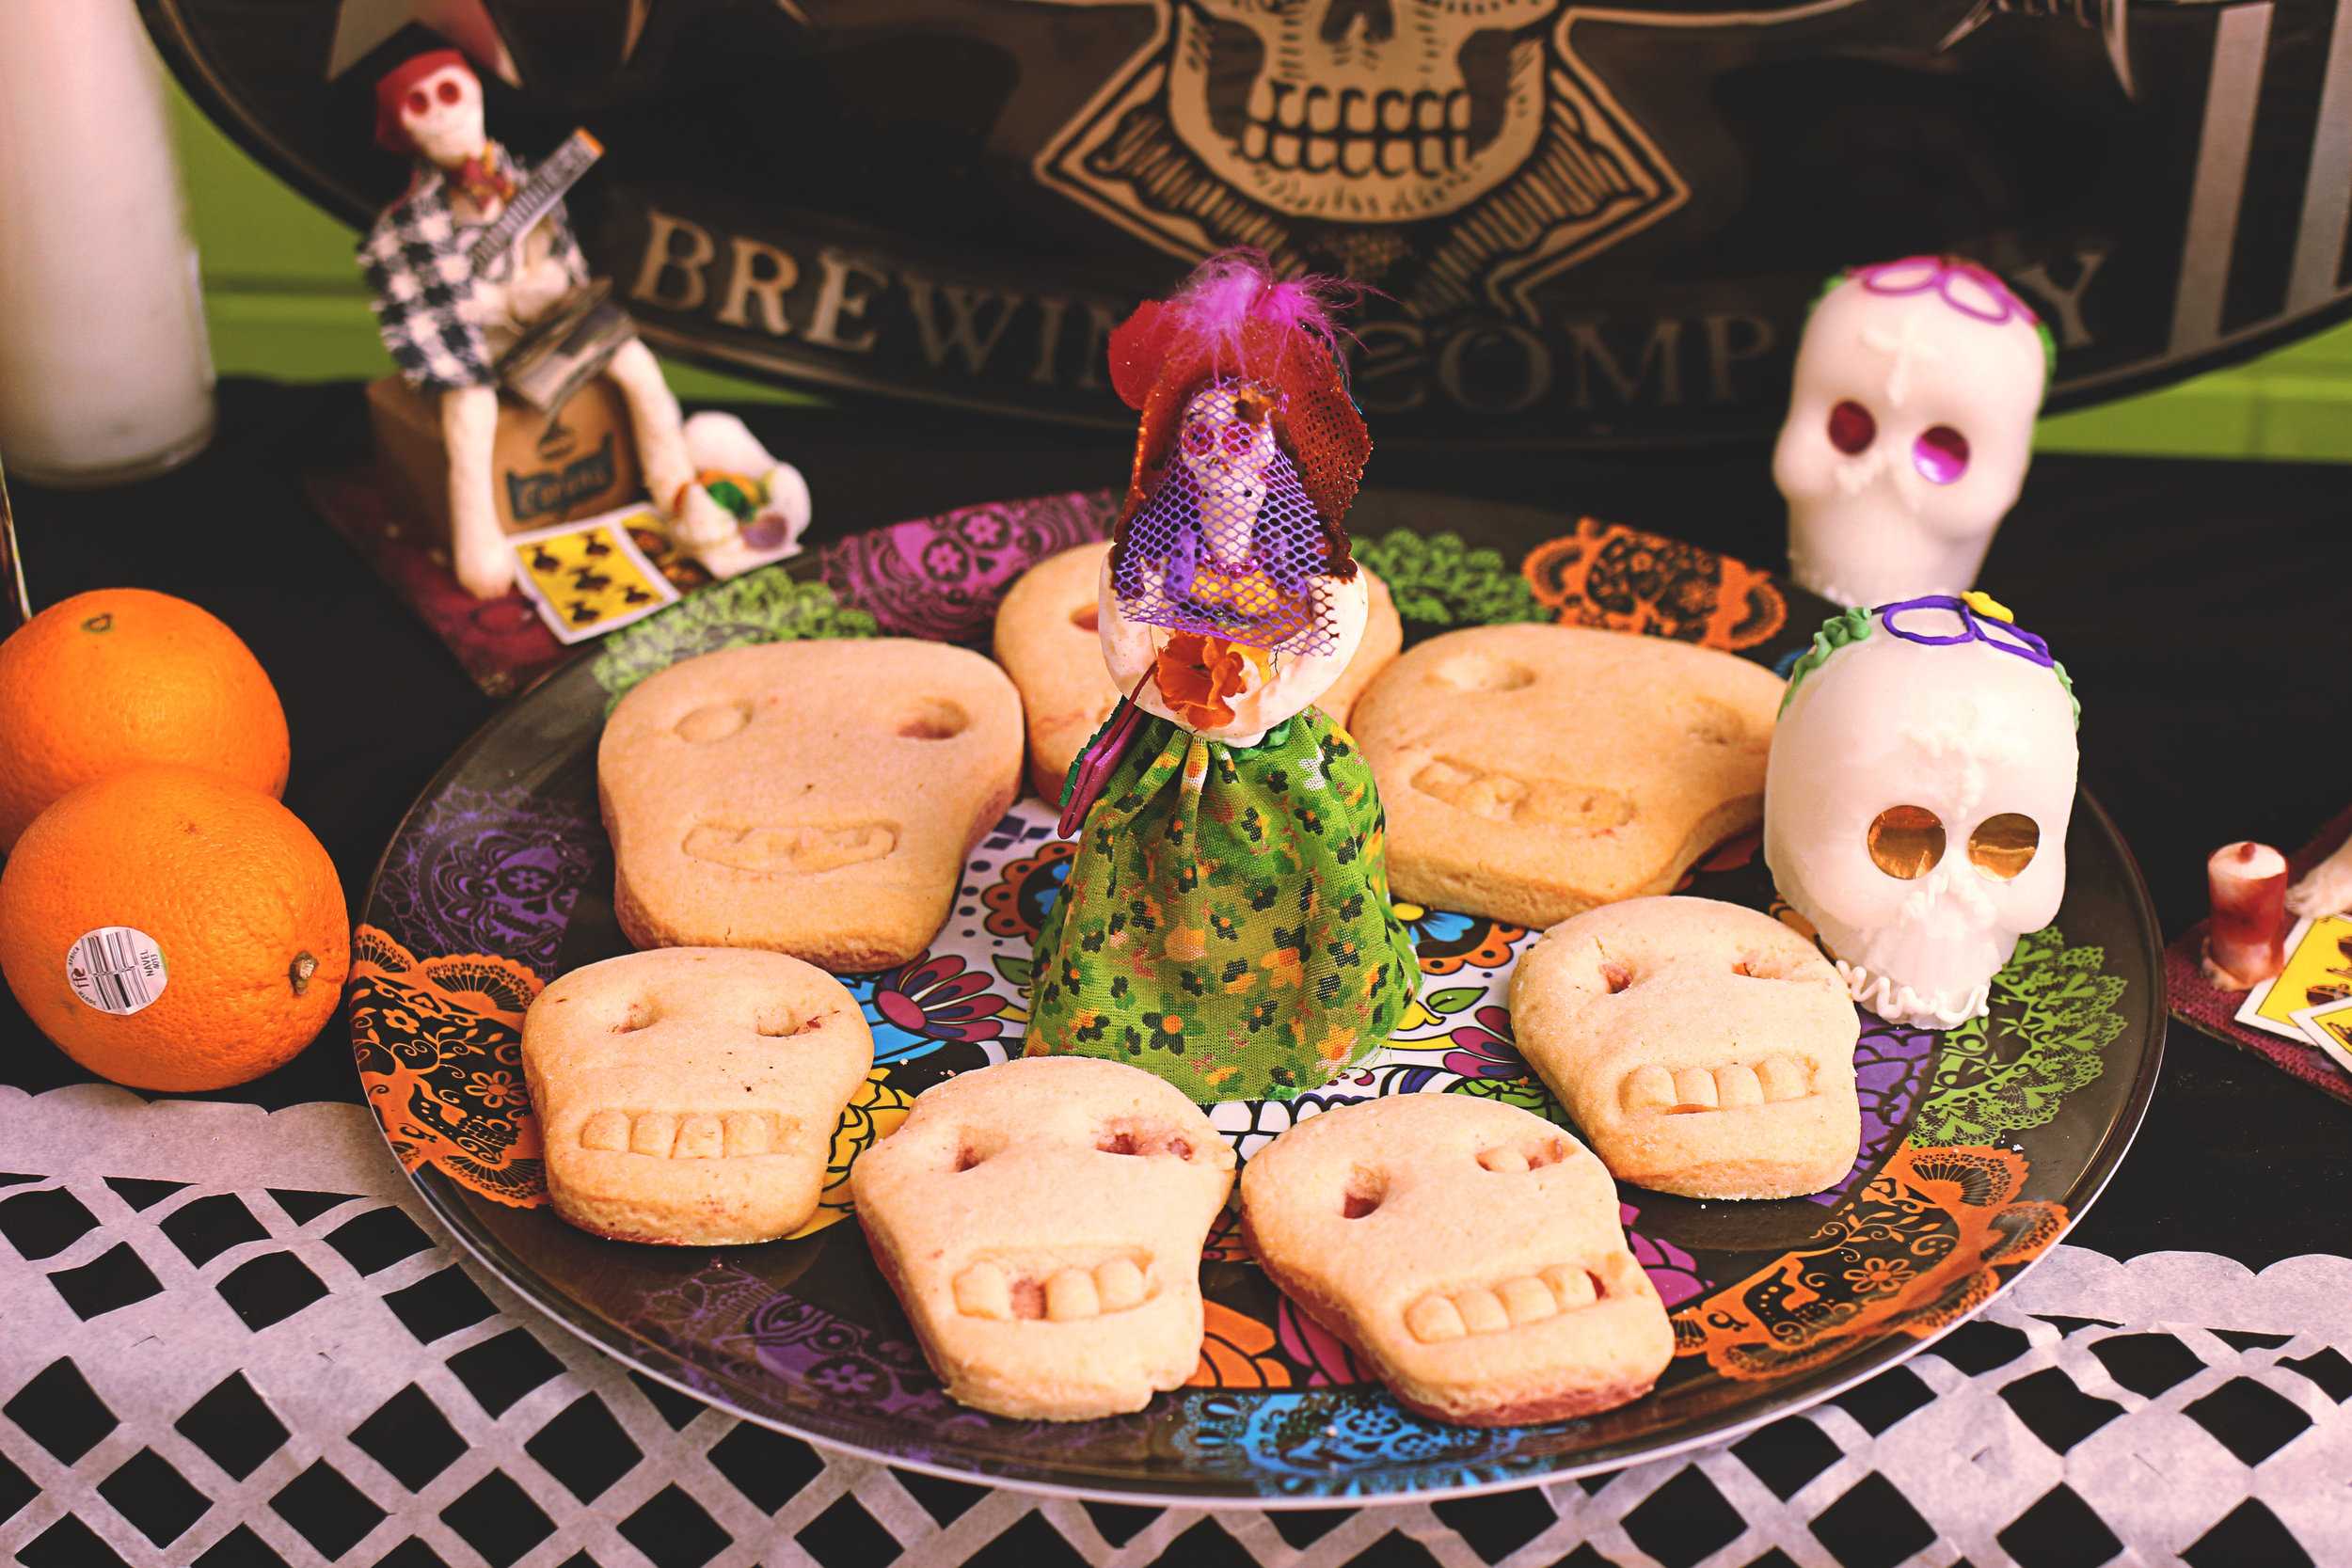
[2329, 1028]
[588, 578]
[2318, 971]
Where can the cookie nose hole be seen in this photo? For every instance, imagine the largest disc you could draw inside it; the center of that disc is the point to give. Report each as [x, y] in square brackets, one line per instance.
[934, 719]
[966, 1157]
[775, 1020]
[1616, 977]
[1087, 617]
[1760, 968]
[1118, 1143]
[640, 1016]
[1365, 1190]
[714, 722]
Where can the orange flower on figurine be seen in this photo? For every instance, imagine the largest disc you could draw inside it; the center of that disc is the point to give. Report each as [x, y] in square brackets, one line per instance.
[1199, 676]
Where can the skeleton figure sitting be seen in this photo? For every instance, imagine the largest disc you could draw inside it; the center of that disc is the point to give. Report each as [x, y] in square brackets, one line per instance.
[446, 326]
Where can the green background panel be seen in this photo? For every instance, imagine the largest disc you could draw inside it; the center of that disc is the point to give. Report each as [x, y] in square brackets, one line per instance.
[283, 299]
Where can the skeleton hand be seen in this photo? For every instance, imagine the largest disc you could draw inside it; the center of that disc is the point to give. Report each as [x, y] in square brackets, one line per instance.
[2326, 888]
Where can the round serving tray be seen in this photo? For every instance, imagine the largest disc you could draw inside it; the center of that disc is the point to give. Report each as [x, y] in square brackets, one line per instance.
[1980, 1146]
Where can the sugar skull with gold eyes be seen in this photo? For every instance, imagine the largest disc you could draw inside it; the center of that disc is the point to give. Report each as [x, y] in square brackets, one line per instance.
[1916, 802]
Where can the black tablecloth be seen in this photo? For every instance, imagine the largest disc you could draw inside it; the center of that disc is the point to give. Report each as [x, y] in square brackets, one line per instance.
[2198, 605]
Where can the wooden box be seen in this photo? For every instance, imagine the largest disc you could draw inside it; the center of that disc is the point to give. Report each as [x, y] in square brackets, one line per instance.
[545, 469]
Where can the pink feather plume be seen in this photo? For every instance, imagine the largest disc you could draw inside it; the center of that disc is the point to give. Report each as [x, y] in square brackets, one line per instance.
[1235, 287]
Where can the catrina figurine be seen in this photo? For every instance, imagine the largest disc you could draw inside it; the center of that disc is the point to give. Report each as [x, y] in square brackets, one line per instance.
[1225, 920]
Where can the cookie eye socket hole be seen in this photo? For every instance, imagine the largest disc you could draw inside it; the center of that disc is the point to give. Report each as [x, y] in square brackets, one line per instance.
[1087, 617]
[2002, 846]
[1366, 1191]
[449, 92]
[1851, 428]
[1906, 842]
[1940, 454]
[1480, 673]
[1616, 977]
[1142, 1139]
[641, 1015]
[934, 719]
[775, 1020]
[713, 721]
[966, 1157]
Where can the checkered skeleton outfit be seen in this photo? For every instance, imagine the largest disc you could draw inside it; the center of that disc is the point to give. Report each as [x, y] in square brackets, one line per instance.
[415, 263]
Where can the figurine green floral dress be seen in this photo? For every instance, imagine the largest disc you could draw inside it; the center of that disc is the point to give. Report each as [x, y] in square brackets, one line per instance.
[1227, 923]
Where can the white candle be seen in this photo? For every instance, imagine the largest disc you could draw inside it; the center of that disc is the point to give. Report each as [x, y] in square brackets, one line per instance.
[104, 370]
[2245, 944]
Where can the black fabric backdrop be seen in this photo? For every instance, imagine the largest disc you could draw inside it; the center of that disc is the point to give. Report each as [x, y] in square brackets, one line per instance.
[2201, 607]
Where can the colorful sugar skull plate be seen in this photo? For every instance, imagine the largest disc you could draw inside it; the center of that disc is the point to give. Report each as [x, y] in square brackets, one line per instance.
[1980, 1143]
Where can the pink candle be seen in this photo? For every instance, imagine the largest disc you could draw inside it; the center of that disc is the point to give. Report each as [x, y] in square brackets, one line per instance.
[2245, 944]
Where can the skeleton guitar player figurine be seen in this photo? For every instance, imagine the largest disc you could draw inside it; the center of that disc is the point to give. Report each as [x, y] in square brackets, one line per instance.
[1226, 921]
[447, 318]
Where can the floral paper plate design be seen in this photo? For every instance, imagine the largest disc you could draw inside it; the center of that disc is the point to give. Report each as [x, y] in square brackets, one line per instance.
[1979, 1145]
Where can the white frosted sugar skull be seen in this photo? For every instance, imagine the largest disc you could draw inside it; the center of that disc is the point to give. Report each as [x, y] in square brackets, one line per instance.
[1470, 1251]
[441, 114]
[1909, 430]
[1041, 1222]
[1358, 109]
[1916, 801]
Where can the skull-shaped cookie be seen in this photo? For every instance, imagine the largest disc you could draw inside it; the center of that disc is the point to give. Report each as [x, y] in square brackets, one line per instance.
[1706, 1049]
[1048, 638]
[1530, 771]
[689, 1097]
[1041, 1222]
[815, 798]
[1468, 1250]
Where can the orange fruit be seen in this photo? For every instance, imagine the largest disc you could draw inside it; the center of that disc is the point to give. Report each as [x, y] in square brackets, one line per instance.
[170, 930]
[118, 676]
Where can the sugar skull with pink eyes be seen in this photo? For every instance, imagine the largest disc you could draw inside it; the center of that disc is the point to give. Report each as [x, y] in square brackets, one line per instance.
[1910, 427]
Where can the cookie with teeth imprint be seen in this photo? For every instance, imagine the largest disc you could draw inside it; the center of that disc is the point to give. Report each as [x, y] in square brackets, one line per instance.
[687, 1097]
[1705, 1048]
[1471, 1253]
[1041, 1222]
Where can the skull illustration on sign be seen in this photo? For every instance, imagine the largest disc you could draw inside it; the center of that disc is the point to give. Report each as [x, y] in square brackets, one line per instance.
[1324, 132]
[1041, 1221]
[1916, 801]
[1909, 429]
[1362, 109]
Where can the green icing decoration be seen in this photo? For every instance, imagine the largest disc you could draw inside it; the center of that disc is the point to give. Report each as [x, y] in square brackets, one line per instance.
[1850, 625]
[2066, 683]
[2053, 1017]
[764, 606]
[1439, 580]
